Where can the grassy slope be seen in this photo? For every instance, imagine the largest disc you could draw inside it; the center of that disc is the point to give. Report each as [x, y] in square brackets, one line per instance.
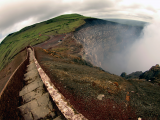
[34, 34]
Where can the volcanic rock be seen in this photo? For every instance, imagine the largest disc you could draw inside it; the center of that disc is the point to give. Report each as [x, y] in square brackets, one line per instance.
[152, 74]
[123, 74]
[133, 75]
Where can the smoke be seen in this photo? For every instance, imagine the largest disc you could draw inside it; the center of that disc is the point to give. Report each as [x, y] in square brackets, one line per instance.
[118, 48]
[140, 55]
[144, 53]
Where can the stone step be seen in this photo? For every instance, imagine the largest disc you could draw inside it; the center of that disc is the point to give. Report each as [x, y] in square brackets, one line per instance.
[33, 94]
[31, 63]
[36, 101]
[42, 112]
[34, 76]
[30, 87]
[31, 73]
[38, 108]
[32, 80]
[31, 68]
[28, 106]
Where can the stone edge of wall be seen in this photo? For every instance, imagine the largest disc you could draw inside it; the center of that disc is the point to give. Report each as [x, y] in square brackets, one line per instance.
[9, 96]
[67, 110]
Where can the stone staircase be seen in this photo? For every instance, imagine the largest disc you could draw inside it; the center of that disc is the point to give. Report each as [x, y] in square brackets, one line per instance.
[36, 100]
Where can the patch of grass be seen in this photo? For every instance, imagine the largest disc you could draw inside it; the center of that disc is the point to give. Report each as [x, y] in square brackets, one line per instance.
[37, 33]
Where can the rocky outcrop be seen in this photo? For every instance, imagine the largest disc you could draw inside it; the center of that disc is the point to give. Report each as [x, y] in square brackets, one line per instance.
[133, 75]
[123, 74]
[152, 74]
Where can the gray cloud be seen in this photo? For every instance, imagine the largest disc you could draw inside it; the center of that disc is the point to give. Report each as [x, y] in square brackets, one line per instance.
[15, 12]
[132, 6]
[144, 53]
[141, 55]
[151, 9]
[95, 5]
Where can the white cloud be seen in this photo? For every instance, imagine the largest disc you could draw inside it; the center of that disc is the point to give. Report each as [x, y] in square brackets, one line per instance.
[1, 39]
[145, 52]
[18, 26]
[152, 3]
[24, 23]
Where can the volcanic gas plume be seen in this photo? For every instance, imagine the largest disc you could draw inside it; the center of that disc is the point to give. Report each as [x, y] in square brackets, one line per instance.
[119, 48]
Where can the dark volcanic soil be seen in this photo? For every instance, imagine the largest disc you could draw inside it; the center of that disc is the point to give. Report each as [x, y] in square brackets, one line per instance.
[82, 84]
[96, 94]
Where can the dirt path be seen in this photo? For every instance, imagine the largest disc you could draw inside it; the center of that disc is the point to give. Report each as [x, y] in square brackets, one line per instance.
[52, 42]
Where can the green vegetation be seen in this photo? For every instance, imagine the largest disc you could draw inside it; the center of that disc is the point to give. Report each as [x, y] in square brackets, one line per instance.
[37, 33]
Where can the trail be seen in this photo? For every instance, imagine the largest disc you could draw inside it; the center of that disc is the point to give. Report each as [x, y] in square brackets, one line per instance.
[36, 101]
[40, 99]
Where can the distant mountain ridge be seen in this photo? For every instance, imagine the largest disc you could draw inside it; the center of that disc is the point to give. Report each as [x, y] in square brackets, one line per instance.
[128, 22]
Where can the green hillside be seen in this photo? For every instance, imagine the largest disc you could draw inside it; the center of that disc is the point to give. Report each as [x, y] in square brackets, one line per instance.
[37, 33]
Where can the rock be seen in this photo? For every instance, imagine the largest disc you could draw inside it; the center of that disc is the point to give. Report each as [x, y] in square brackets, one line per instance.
[139, 118]
[28, 116]
[30, 87]
[123, 74]
[157, 65]
[33, 94]
[100, 96]
[152, 74]
[28, 106]
[40, 112]
[134, 75]
[147, 75]
[155, 68]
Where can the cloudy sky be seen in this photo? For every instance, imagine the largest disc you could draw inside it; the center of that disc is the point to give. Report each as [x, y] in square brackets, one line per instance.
[16, 14]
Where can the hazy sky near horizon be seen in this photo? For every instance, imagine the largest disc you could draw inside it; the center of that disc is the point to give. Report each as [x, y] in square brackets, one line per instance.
[16, 14]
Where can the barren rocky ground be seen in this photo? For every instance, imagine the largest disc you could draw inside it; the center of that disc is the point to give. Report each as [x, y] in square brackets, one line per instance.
[93, 92]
